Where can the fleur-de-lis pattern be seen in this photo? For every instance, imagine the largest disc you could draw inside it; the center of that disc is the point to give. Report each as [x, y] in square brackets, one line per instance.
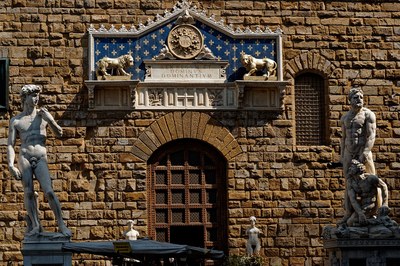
[150, 44]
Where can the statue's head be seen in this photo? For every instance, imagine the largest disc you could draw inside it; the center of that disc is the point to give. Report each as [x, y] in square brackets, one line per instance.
[355, 97]
[130, 223]
[356, 167]
[245, 59]
[127, 61]
[28, 90]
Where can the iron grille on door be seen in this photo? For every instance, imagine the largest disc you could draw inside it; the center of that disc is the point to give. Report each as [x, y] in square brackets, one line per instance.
[187, 194]
[310, 109]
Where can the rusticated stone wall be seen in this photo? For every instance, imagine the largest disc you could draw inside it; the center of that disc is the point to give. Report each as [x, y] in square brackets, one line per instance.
[99, 175]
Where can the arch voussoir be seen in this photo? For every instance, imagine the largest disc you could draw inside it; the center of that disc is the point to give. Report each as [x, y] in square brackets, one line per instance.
[178, 125]
[309, 61]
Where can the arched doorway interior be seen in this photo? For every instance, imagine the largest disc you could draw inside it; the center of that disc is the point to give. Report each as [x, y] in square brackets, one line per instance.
[187, 194]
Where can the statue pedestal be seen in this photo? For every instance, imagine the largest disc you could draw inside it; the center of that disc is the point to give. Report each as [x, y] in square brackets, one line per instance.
[363, 251]
[44, 252]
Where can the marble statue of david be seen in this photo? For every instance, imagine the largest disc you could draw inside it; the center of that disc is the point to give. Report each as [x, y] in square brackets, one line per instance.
[31, 126]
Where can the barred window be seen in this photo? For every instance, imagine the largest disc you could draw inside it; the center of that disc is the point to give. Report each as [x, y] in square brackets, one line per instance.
[311, 122]
[3, 83]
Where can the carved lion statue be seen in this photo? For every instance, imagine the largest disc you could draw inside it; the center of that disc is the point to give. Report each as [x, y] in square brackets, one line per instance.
[253, 65]
[116, 65]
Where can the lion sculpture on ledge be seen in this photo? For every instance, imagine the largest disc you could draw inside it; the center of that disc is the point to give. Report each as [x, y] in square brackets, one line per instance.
[116, 66]
[253, 65]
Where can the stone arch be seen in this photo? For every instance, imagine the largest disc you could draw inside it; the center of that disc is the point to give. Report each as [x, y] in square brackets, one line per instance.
[178, 125]
[311, 61]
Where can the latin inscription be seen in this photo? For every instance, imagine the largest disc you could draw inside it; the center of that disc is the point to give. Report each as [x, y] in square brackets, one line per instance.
[182, 73]
[189, 73]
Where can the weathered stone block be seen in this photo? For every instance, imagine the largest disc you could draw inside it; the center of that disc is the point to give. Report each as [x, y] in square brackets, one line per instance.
[238, 195]
[309, 183]
[8, 215]
[239, 5]
[285, 242]
[135, 196]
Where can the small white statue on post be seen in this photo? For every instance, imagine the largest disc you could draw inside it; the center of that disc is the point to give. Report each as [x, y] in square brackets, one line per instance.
[131, 234]
[253, 244]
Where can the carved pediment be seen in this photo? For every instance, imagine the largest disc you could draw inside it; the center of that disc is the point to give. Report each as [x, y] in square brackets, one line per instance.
[185, 59]
[185, 32]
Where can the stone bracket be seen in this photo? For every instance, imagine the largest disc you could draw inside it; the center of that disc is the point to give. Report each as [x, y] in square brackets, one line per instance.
[111, 94]
[261, 95]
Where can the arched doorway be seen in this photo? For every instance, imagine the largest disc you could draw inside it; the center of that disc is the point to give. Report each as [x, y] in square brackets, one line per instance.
[187, 194]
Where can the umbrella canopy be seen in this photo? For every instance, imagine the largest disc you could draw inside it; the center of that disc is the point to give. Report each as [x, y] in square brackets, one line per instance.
[141, 248]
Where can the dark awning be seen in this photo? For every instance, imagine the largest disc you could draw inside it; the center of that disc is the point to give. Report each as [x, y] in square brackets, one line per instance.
[142, 248]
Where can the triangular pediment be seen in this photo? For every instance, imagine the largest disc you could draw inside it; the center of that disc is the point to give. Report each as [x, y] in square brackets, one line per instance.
[180, 9]
[146, 41]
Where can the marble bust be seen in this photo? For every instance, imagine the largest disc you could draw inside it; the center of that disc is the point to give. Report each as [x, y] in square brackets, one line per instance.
[131, 233]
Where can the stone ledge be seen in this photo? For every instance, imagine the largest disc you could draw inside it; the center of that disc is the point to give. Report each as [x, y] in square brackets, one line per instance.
[361, 243]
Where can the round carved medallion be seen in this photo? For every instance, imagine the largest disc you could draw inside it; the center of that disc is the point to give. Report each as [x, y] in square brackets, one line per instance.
[185, 41]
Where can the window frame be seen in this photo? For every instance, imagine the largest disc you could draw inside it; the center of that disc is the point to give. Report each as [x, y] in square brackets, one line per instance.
[4, 83]
[323, 108]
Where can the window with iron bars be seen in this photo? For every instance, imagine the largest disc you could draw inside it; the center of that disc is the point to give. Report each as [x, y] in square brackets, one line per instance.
[311, 118]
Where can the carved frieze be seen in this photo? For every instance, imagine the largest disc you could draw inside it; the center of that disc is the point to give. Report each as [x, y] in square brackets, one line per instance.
[215, 97]
[181, 96]
[156, 97]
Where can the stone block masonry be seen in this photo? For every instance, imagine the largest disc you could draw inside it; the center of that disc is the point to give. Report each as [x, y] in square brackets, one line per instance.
[99, 166]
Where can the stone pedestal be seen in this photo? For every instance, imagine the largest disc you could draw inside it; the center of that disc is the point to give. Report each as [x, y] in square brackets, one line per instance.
[363, 252]
[45, 253]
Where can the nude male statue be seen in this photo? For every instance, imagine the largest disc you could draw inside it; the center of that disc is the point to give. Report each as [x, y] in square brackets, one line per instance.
[362, 189]
[253, 245]
[358, 137]
[31, 125]
[359, 131]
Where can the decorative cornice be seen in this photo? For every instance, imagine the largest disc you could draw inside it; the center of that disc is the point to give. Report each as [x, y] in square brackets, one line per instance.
[186, 7]
[361, 243]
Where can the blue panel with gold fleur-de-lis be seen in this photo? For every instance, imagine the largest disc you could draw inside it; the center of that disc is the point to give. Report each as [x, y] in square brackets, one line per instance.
[147, 46]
